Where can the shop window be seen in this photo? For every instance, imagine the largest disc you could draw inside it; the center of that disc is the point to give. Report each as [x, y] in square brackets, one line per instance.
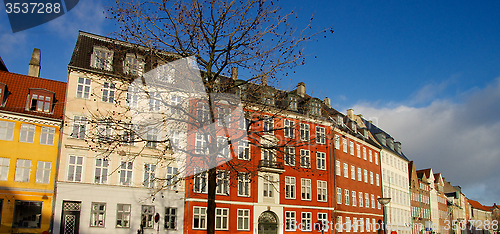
[27, 214]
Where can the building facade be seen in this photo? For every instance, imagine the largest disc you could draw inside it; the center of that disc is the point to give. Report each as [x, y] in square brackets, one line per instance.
[31, 113]
[112, 178]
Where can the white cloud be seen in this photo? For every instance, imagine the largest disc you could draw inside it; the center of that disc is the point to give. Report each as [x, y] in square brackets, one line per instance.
[460, 140]
[88, 16]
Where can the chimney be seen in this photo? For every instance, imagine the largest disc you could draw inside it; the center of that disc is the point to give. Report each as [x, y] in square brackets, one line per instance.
[301, 89]
[327, 102]
[263, 80]
[34, 66]
[397, 147]
[350, 113]
[234, 73]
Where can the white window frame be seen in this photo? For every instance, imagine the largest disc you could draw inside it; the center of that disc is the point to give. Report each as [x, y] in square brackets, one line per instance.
[201, 215]
[290, 221]
[360, 199]
[339, 196]
[289, 128]
[244, 216]
[320, 135]
[171, 176]
[268, 186]
[359, 174]
[124, 213]
[306, 220]
[244, 184]
[337, 141]
[74, 175]
[4, 168]
[289, 156]
[305, 158]
[221, 219]
[371, 177]
[322, 188]
[353, 172]
[290, 186]
[43, 170]
[347, 195]
[108, 92]
[79, 127]
[23, 170]
[244, 150]
[149, 175]
[200, 181]
[305, 189]
[377, 179]
[222, 183]
[353, 197]
[346, 170]
[344, 145]
[268, 125]
[365, 175]
[358, 151]
[27, 133]
[351, 147]
[97, 214]
[321, 160]
[147, 214]
[101, 171]
[367, 200]
[126, 168]
[133, 64]
[170, 219]
[304, 132]
[83, 87]
[337, 168]
[102, 58]
[47, 135]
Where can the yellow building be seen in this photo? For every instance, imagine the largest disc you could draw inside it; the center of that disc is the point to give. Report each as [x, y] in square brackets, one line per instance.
[31, 110]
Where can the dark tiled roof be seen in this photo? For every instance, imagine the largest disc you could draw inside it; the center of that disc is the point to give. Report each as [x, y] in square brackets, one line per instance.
[374, 130]
[18, 87]
[427, 172]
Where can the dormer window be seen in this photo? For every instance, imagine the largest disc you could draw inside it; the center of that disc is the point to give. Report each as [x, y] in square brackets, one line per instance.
[40, 100]
[315, 108]
[133, 65]
[292, 103]
[102, 58]
[268, 98]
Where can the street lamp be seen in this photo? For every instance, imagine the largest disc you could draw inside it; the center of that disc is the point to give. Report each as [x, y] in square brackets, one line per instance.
[384, 201]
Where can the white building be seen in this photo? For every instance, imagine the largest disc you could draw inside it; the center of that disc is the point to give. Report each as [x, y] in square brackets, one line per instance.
[119, 190]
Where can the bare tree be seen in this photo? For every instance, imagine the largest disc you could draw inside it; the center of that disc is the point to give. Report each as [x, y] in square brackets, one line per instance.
[253, 35]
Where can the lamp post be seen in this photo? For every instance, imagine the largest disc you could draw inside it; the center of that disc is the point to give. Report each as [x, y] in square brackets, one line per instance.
[384, 201]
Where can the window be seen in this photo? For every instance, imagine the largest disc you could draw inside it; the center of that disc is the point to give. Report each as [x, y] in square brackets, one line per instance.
[346, 196]
[43, 172]
[376, 158]
[102, 58]
[289, 187]
[244, 150]
[151, 137]
[83, 88]
[354, 224]
[40, 101]
[321, 160]
[348, 224]
[171, 177]
[353, 193]
[199, 217]
[4, 168]
[201, 144]
[358, 151]
[353, 172]
[337, 167]
[304, 132]
[268, 186]
[108, 92]
[365, 175]
[364, 153]
[126, 173]
[377, 179]
[104, 130]
[360, 199]
[154, 101]
[101, 171]
[378, 203]
[222, 183]
[202, 112]
[200, 181]
[289, 128]
[134, 65]
[23, 167]
[290, 221]
[351, 148]
[323, 219]
[176, 105]
[97, 214]
[367, 201]
[243, 220]
[368, 225]
[306, 221]
[361, 225]
[337, 142]
[147, 216]
[322, 188]
[320, 135]
[223, 116]
[6, 130]
[292, 103]
[75, 168]
[79, 125]
[149, 175]
[373, 201]
[371, 177]
[244, 123]
[340, 224]
[359, 174]
[27, 133]
[47, 136]
[289, 156]
[132, 96]
[268, 125]
[306, 189]
[244, 184]
[346, 170]
[221, 217]
[370, 156]
[305, 158]
[123, 216]
[339, 196]
[344, 145]
[268, 156]
[27, 214]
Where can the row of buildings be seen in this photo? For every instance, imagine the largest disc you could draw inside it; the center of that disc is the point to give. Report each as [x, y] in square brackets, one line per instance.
[74, 161]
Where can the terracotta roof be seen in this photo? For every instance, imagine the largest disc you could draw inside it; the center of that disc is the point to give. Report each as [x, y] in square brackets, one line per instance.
[18, 86]
[477, 205]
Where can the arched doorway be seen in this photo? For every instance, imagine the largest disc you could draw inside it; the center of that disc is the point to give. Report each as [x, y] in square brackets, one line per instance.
[268, 223]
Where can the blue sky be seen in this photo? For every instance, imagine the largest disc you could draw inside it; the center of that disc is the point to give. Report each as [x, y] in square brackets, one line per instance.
[425, 71]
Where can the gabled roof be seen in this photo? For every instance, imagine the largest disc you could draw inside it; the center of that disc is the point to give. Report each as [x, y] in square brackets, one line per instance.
[477, 205]
[17, 91]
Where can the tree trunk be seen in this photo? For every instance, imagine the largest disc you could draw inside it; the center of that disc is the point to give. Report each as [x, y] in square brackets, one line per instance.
[212, 183]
